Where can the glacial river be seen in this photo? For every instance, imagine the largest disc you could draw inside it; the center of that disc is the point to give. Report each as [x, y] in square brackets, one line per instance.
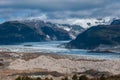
[52, 47]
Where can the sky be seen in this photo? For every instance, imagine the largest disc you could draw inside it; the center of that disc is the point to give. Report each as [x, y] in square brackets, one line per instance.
[58, 9]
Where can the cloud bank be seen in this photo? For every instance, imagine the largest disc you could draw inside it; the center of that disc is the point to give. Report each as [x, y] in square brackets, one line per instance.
[58, 9]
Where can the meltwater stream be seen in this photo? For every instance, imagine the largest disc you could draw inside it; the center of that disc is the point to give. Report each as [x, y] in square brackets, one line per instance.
[52, 47]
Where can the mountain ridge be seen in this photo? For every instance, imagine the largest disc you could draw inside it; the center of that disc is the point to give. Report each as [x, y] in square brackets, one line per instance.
[31, 31]
[96, 36]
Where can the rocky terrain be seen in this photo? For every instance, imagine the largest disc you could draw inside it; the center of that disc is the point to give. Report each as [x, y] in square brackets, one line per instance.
[56, 65]
[66, 65]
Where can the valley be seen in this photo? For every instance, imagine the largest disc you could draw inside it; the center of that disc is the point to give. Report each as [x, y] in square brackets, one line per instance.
[43, 49]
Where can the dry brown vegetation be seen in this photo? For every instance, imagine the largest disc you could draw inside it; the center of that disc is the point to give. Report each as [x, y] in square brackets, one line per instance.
[74, 77]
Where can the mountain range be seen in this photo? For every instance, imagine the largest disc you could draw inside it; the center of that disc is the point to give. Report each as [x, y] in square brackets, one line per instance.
[12, 32]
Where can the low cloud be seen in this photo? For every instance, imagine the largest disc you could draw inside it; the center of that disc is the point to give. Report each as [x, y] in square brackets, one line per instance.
[58, 9]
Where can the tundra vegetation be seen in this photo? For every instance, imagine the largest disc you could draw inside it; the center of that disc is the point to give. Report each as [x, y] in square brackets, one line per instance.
[74, 77]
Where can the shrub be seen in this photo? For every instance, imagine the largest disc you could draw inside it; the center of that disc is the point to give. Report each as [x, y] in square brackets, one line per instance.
[83, 77]
[18, 78]
[102, 77]
[65, 78]
[75, 77]
[47, 78]
[38, 78]
[51, 78]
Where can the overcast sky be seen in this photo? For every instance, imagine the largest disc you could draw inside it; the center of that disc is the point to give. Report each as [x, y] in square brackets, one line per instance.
[58, 9]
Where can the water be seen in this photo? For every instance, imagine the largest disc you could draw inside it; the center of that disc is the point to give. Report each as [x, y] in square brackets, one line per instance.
[51, 47]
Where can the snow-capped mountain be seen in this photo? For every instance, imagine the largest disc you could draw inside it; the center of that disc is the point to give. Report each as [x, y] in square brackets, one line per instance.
[85, 22]
[72, 29]
[100, 36]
